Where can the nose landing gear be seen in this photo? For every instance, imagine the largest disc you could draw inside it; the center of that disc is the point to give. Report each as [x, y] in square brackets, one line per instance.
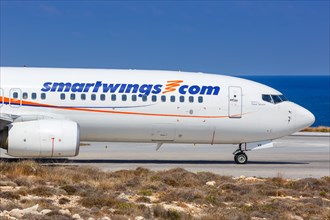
[240, 157]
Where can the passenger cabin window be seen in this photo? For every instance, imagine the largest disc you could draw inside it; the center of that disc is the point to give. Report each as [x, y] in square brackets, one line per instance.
[73, 96]
[25, 95]
[62, 96]
[154, 98]
[144, 98]
[83, 96]
[181, 98]
[124, 97]
[43, 96]
[93, 97]
[275, 99]
[102, 97]
[15, 95]
[163, 98]
[191, 99]
[172, 98]
[200, 99]
[134, 98]
[113, 97]
[34, 95]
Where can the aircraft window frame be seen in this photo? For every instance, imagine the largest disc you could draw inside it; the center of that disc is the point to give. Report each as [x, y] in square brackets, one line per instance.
[172, 99]
[43, 96]
[163, 98]
[62, 96]
[83, 96]
[113, 97]
[200, 99]
[13, 100]
[102, 97]
[267, 98]
[34, 95]
[93, 97]
[72, 96]
[154, 98]
[25, 95]
[276, 99]
[134, 98]
[283, 98]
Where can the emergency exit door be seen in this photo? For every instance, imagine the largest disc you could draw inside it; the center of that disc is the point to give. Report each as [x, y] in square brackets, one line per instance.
[235, 102]
[1, 98]
[15, 98]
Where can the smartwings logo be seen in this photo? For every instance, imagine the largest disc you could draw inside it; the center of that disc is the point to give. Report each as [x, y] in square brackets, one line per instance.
[140, 89]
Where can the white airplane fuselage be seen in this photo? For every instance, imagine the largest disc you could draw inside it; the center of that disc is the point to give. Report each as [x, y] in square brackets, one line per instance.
[150, 106]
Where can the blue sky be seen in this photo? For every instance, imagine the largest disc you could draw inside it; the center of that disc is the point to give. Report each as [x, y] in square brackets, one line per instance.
[230, 37]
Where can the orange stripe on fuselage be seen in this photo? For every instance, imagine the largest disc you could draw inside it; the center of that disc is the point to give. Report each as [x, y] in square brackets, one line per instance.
[15, 101]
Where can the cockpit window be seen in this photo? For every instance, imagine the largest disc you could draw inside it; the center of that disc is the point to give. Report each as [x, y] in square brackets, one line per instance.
[274, 98]
[283, 98]
[267, 98]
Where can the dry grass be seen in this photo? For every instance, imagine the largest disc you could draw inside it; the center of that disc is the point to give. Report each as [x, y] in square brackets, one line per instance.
[317, 129]
[171, 194]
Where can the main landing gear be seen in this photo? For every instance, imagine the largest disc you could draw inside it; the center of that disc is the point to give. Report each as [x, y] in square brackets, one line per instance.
[240, 156]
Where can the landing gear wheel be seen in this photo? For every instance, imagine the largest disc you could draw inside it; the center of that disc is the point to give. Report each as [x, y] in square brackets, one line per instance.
[241, 158]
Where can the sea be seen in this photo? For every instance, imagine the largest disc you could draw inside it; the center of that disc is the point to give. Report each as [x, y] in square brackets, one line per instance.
[311, 92]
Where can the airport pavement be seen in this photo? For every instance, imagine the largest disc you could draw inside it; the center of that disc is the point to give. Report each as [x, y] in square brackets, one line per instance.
[317, 134]
[295, 156]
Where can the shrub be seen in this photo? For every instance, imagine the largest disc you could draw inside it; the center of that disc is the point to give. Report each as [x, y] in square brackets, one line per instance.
[63, 200]
[162, 213]
[143, 199]
[42, 191]
[9, 195]
[145, 192]
[98, 201]
[23, 181]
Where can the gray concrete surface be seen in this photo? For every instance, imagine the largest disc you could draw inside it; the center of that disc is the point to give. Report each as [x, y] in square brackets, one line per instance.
[296, 156]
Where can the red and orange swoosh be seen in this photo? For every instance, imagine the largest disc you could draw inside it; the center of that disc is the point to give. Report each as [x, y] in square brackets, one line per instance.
[171, 85]
[35, 104]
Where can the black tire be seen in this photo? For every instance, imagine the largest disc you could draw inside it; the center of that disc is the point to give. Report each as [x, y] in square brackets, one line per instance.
[235, 159]
[241, 158]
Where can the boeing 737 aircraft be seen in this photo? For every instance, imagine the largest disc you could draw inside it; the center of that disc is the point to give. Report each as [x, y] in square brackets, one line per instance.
[46, 112]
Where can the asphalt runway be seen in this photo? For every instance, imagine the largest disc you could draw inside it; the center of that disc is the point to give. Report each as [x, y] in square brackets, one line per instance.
[298, 156]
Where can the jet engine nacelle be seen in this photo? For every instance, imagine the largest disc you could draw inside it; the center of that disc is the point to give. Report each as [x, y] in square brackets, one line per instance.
[43, 138]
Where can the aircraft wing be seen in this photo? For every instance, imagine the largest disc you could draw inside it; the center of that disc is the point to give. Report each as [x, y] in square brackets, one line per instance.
[5, 120]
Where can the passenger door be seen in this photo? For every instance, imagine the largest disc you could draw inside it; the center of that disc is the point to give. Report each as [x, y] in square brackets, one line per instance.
[235, 102]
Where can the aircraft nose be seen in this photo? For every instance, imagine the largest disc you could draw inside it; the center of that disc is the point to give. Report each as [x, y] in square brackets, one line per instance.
[304, 118]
